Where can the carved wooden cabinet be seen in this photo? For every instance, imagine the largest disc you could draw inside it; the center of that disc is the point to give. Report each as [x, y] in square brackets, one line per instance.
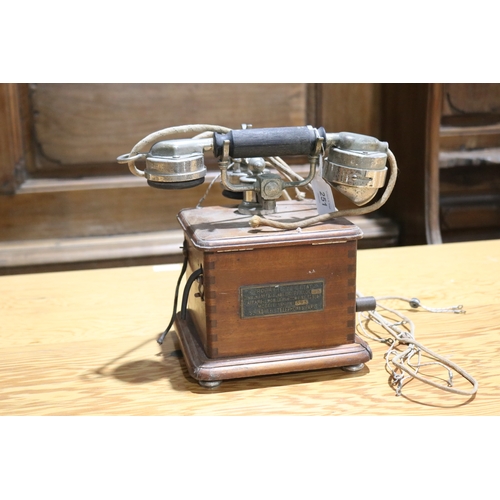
[469, 162]
[66, 203]
[446, 137]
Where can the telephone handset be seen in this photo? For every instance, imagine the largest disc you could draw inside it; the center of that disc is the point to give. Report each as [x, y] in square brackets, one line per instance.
[354, 165]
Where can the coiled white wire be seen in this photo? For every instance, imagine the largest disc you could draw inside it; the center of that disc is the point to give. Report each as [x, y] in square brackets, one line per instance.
[399, 363]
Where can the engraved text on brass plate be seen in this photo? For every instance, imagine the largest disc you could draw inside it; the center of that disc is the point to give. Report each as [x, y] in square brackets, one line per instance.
[281, 298]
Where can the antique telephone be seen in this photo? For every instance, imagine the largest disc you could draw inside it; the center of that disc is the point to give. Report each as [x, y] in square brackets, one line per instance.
[271, 283]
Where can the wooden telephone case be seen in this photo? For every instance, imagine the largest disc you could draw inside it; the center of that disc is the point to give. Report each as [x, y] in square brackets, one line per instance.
[268, 301]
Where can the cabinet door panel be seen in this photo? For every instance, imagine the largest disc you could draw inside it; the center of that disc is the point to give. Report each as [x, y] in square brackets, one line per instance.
[78, 124]
[64, 188]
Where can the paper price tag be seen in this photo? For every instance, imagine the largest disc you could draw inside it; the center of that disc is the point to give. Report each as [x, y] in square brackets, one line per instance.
[323, 194]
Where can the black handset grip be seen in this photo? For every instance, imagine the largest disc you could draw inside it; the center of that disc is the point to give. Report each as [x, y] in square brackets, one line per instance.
[259, 142]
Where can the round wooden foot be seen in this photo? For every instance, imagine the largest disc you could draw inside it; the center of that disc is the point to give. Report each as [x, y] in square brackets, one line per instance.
[353, 368]
[210, 384]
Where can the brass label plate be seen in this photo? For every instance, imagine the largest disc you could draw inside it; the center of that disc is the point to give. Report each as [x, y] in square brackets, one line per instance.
[282, 298]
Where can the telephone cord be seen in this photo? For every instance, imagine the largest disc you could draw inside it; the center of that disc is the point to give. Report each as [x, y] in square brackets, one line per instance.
[161, 338]
[402, 360]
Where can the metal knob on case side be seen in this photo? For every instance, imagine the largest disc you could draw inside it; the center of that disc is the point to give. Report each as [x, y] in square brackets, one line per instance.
[365, 304]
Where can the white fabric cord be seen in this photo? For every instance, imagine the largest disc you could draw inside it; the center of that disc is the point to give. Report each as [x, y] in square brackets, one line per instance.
[202, 199]
[403, 347]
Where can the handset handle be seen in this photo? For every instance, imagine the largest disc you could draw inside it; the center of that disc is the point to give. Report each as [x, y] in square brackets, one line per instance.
[265, 142]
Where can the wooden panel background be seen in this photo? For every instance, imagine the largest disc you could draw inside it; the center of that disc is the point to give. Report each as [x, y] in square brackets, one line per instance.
[11, 151]
[350, 107]
[92, 123]
[60, 183]
[409, 124]
[460, 99]
[58, 167]
[469, 160]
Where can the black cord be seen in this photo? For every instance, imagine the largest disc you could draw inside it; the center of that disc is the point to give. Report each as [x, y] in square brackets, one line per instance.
[185, 296]
[179, 281]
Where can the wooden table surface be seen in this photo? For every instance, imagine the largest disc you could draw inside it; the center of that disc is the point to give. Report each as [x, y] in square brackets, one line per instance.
[84, 343]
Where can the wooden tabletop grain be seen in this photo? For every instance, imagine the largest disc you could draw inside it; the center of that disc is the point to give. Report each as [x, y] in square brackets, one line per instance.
[84, 343]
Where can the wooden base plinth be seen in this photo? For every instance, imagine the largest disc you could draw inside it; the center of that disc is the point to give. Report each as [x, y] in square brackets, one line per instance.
[208, 371]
